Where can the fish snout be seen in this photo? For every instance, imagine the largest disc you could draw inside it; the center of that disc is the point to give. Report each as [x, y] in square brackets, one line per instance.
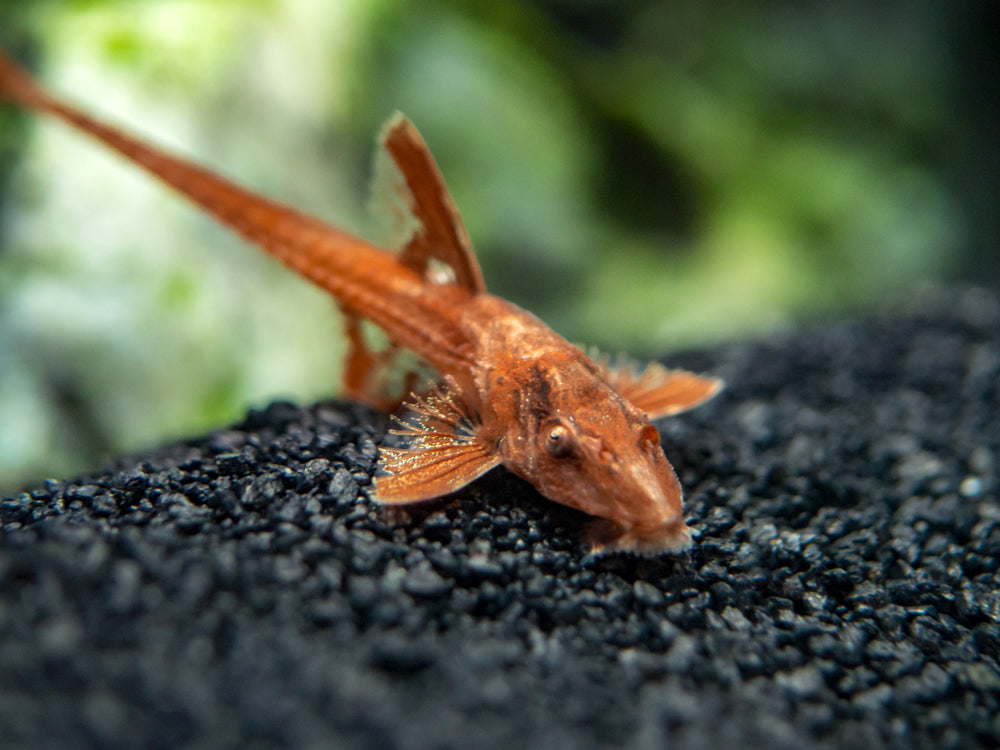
[606, 536]
[653, 519]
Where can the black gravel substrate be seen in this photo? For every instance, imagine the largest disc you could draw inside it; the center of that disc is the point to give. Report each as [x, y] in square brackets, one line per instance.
[241, 590]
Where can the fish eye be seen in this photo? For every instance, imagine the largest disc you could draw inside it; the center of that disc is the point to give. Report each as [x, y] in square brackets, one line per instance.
[559, 441]
[649, 437]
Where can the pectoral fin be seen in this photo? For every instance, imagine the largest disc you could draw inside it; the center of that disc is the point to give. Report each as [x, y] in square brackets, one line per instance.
[657, 390]
[445, 450]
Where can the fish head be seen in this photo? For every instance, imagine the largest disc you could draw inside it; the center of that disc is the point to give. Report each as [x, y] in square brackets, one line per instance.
[582, 445]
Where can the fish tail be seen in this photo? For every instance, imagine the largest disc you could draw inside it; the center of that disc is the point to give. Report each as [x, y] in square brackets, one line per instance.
[352, 270]
[18, 87]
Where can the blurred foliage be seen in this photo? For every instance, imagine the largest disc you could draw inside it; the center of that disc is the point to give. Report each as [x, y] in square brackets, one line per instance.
[642, 175]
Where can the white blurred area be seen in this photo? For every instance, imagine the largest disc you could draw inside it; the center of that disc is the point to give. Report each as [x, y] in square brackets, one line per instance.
[128, 318]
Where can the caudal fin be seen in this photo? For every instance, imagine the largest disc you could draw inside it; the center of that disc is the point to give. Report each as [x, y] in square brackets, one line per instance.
[17, 87]
[302, 242]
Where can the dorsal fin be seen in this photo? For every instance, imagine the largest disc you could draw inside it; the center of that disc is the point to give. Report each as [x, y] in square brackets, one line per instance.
[437, 231]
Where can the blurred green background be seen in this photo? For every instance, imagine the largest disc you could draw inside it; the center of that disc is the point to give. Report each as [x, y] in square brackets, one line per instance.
[643, 175]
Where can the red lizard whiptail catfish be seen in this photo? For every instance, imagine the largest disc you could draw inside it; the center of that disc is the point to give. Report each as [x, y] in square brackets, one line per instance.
[511, 391]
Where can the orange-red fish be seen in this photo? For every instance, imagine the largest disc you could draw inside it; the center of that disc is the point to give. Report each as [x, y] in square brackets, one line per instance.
[511, 391]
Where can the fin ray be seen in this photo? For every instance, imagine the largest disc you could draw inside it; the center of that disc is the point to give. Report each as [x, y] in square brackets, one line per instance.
[445, 450]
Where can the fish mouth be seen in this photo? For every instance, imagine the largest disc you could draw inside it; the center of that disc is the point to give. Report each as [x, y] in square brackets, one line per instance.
[607, 537]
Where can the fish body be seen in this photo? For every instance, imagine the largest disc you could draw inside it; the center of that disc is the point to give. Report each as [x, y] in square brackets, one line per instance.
[511, 392]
